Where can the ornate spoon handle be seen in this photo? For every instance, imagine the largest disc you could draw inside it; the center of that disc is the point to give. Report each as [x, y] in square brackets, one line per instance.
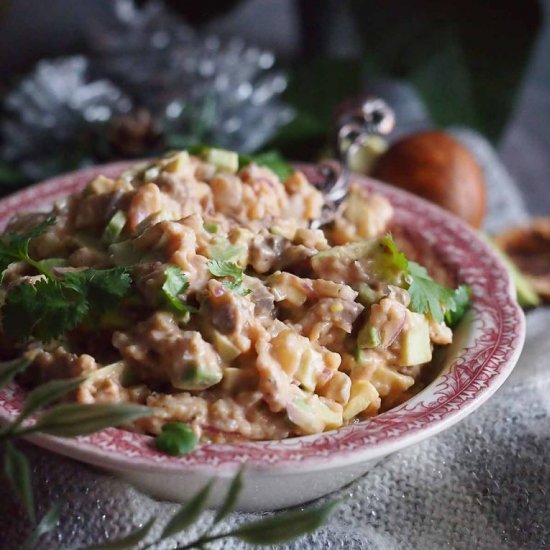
[374, 117]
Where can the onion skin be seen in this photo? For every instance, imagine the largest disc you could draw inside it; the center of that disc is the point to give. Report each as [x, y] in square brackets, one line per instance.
[437, 167]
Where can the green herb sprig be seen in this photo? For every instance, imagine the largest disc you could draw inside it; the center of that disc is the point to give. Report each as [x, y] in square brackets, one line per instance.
[273, 529]
[54, 304]
[65, 420]
[73, 419]
[175, 285]
[427, 296]
[232, 274]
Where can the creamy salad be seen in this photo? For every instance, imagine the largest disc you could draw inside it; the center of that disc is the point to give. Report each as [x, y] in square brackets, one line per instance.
[196, 285]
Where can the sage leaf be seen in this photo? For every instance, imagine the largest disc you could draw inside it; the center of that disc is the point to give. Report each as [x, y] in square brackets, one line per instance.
[18, 471]
[284, 527]
[9, 369]
[188, 513]
[74, 419]
[46, 394]
[233, 493]
[47, 523]
[129, 541]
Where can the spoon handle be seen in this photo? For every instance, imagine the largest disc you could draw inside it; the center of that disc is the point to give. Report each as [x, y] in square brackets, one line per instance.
[373, 117]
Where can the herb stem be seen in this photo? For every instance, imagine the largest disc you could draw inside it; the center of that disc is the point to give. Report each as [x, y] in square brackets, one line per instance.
[204, 540]
[41, 268]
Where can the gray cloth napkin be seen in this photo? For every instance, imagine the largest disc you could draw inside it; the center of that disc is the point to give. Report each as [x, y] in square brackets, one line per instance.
[485, 483]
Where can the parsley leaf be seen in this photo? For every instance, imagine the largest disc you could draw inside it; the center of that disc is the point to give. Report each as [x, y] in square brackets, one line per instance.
[175, 284]
[223, 268]
[14, 247]
[176, 438]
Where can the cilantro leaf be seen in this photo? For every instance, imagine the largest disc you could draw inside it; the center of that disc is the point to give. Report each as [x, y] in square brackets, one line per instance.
[44, 310]
[461, 299]
[223, 268]
[176, 438]
[224, 251]
[175, 284]
[48, 308]
[14, 247]
[396, 257]
[270, 159]
[427, 296]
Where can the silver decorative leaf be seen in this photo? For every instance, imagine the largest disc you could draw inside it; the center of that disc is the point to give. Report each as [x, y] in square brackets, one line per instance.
[53, 115]
[198, 87]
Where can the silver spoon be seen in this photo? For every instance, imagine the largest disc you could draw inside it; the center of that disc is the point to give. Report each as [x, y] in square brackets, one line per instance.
[374, 117]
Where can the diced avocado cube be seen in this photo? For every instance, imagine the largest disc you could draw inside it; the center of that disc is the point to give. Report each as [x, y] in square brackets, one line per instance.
[197, 377]
[363, 394]
[312, 414]
[415, 341]
[100, 184]
[115, 226]
[366, 294]
[332, 416]
[368, 337]
[235, 379]
[114, 319]
[212, 227]
[176, 163]
[347, 253]
[224, 346]
[526, 294]
[225, 161]
[311, 365]
[125, 253]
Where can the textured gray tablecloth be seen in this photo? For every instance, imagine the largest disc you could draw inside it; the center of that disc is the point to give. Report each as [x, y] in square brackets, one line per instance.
[484, 483]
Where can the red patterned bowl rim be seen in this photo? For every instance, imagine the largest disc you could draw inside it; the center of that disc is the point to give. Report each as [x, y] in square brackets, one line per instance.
[491, 349]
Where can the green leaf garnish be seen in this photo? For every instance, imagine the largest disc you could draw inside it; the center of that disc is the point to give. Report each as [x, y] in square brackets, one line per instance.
[270, 159]
[461, 299]
[224, 251]
[43, 310]
[285, 526]
[427, 296]
[188, 513]
[176, 438]
[14, 247]
[18, 471]
[234, 274]
[175, 284]
[396, 257]
[52, 306]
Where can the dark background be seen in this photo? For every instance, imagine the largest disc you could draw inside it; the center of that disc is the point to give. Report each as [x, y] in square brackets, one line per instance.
[299, 31]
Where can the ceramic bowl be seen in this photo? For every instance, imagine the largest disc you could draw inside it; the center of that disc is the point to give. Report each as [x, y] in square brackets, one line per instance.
[282, 473]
